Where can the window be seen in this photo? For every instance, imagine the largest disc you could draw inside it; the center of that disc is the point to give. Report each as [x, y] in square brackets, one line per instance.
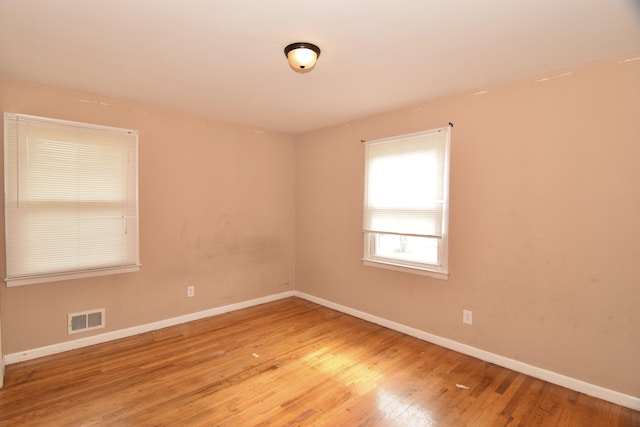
[71, 199]
[406, 202]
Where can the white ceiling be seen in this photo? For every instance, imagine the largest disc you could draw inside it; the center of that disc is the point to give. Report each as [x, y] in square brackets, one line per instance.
[224, 58]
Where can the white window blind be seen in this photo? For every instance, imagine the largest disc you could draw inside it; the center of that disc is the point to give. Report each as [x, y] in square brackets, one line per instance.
[71, 199]
[406, 185]
[406, 194]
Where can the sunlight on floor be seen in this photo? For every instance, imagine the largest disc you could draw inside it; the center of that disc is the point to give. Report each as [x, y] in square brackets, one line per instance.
[398, 412]
[363, 379]
[360, 378]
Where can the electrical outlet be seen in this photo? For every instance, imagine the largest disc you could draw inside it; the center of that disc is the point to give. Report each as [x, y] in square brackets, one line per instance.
[191, 291]
[467, 317]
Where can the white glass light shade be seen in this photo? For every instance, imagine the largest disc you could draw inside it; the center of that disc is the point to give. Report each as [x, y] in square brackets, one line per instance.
[302, 56]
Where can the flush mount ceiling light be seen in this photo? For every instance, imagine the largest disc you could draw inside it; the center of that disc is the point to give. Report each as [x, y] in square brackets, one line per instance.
[302, 56]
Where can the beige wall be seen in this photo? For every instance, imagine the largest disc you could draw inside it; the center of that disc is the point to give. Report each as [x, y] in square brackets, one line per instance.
[545, 238]
[1, 358]
[216, 211]
[545, 223]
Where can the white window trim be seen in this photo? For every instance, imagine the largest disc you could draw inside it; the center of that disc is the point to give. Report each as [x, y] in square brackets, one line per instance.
[436, 271]
[405, 269]
[57, 277]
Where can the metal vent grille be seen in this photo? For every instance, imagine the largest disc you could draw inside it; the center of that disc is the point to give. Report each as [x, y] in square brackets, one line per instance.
[86, 321]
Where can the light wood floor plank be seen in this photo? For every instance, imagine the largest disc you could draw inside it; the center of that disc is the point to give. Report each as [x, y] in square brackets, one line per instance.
[285, 363]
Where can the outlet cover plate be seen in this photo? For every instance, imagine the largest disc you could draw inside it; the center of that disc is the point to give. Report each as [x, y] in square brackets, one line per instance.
[467, 317]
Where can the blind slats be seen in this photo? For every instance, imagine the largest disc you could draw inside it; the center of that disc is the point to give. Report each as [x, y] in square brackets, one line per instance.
[405, 184]
[71, 197]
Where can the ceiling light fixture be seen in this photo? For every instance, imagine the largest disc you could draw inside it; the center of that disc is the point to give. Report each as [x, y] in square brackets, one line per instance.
[302, 56]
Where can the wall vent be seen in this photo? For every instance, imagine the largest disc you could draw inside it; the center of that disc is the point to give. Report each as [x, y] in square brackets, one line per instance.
[86, 321]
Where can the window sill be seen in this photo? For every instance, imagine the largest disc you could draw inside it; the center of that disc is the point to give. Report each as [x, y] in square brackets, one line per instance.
[406, 269]
[20, 281]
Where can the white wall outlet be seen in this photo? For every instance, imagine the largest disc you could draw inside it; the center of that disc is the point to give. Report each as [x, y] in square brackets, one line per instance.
[467, 317]
[191, 290]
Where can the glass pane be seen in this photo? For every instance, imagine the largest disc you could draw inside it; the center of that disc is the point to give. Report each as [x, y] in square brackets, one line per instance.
[407, 248]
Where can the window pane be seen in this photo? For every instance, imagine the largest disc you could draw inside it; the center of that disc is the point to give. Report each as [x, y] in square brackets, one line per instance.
[406, 202]
[407, 248]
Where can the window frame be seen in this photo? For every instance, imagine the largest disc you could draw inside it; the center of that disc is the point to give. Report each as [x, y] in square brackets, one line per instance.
[129, 259]
[371, 258]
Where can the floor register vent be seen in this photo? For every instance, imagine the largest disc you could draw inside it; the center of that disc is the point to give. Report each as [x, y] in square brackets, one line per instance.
[86, 321]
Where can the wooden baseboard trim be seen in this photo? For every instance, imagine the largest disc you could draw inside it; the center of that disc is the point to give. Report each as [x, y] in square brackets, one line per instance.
[123, 333]
[515, 365]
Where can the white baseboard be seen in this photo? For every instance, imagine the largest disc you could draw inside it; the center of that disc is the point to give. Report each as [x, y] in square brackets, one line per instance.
[543, 374]
[123, 333]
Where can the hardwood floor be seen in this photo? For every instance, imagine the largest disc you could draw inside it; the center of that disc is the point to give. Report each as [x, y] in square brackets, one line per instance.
[286, 363]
